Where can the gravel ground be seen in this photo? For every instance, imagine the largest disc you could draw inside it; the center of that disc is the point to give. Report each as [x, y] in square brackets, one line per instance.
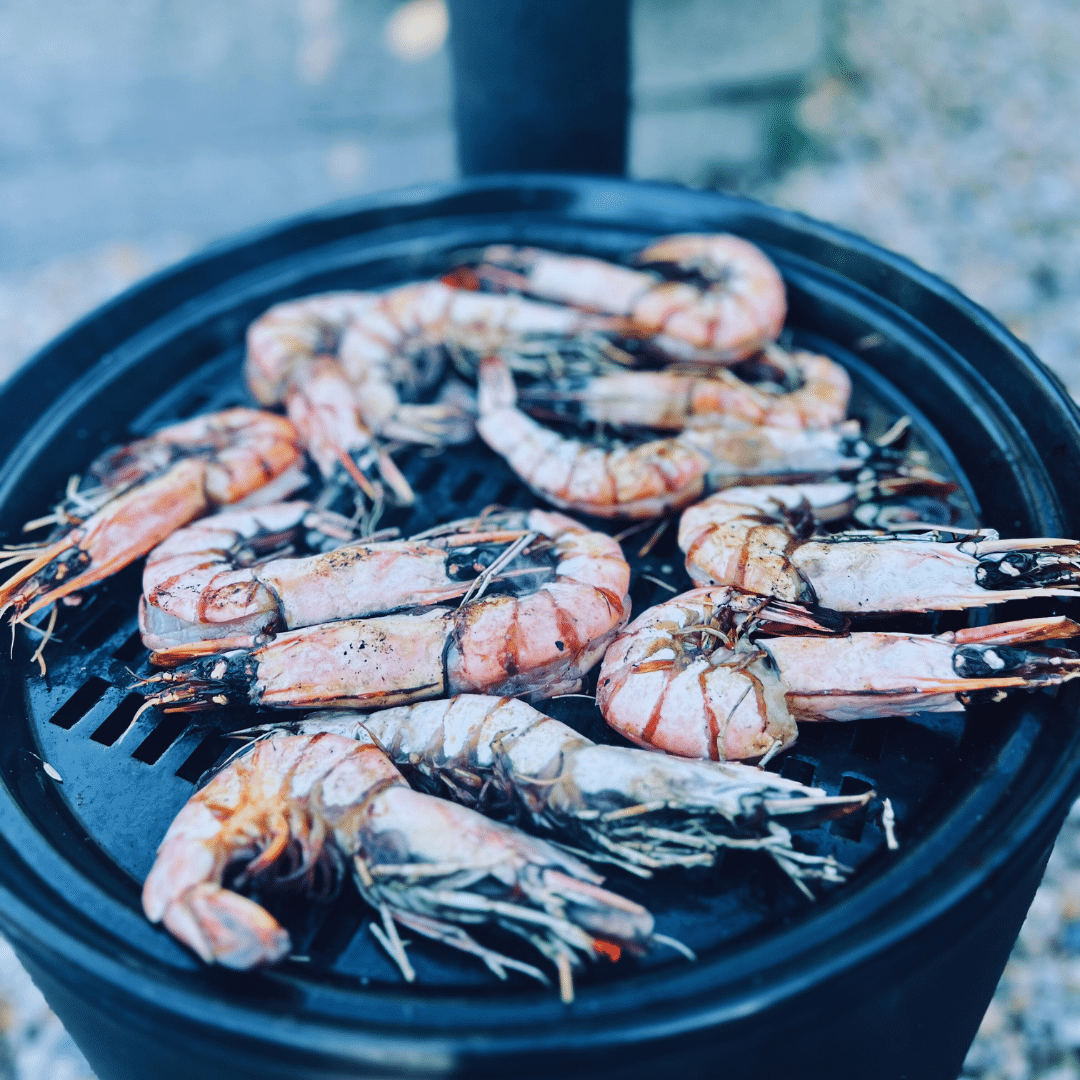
[943, 131]
[947, 132]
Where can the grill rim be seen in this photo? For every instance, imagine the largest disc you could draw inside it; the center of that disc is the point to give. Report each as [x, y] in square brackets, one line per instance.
[581, 202]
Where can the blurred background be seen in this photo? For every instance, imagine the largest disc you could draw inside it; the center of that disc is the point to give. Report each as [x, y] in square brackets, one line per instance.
[133, 132]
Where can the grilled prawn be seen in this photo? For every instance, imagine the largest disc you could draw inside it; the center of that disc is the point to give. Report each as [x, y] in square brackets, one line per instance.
[658, 476]
[672, 400]
[739, 307]
[302, 812]
[697, 676]
[761, 540]
[146, 491]
[538, 643]
[377, 342]
[639, 810]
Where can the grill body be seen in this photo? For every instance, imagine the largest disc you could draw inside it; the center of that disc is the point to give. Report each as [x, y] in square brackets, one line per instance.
[886, 977]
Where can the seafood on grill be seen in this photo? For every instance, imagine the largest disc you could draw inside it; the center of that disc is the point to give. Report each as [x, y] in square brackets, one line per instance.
[698, 677]
[660, 475]
[735, 307]
[148, 489]
[672, 400]
[639, 810]
[203, 591]
[762, 540]
[380, 343]
[345, 451]
[303, 812]
[538, 640]
[217, 580]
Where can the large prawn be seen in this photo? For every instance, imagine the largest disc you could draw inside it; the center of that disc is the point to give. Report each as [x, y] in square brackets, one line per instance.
[697, 677]
[672, 400]
[640, 810]
[148, 489]
[370, 343]
[657, 476]
[761, 539]
[540, 643]
[302, 812]
[736, 307]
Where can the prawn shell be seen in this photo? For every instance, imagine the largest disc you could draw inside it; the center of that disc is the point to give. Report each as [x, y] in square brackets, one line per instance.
[754, 555]
[503, 644]
[550, 637]
[392, 660]
[355, 581]
[701, 711]
[908, 575]
[887, 674]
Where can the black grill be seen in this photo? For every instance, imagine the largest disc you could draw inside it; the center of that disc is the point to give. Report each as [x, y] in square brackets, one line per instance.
[976, 795]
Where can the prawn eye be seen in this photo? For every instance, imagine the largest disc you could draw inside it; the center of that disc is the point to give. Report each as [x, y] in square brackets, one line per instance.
[466, 563]
[560, 646]
[1017, 569]
[987, 661]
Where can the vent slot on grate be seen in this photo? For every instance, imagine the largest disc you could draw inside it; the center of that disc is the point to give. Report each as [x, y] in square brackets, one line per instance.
[118, 721]
[167, 730]
[130, 649]
[869, 740]
[851, 827]
[429, 476]
[798, 769]
[103, 623]
[203, 757]
[80, 703]
[466, 486]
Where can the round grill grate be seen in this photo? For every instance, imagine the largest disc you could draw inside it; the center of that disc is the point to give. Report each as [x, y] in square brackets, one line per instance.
[174, 349]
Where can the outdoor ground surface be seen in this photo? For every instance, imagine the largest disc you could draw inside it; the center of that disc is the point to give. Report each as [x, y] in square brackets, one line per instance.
[945, 131]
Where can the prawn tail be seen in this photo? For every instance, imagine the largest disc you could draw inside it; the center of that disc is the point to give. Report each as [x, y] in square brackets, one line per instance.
[223, 679]
[226, 928]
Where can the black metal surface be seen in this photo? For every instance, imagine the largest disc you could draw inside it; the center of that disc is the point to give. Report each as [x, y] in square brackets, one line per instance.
[978, 797]
[541, 85]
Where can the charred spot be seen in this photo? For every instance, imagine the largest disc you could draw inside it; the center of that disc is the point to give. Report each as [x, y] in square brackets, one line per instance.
[230, 674]
[65, 566]
[690, 275]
